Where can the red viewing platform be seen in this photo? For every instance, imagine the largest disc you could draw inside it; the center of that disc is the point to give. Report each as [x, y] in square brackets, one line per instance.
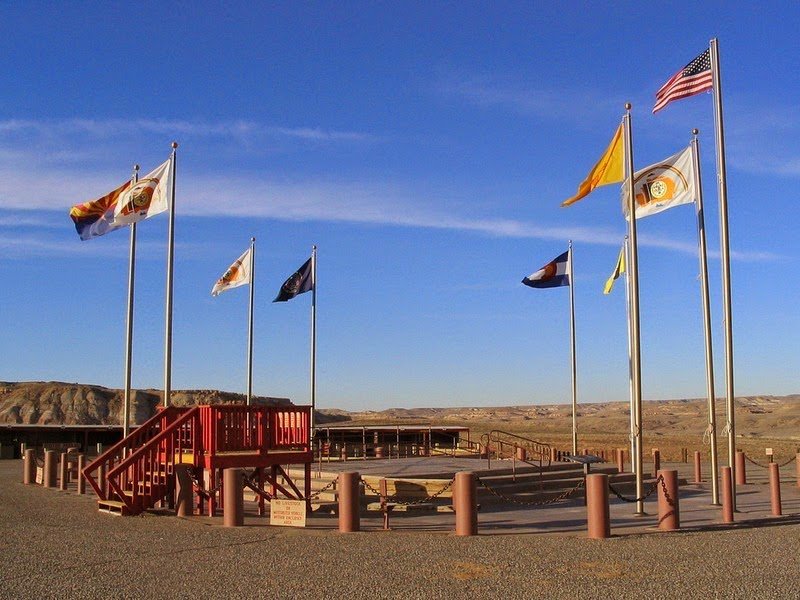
[194, 445]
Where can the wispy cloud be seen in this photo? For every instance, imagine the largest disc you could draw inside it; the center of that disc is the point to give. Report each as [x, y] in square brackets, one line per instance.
[527, 98]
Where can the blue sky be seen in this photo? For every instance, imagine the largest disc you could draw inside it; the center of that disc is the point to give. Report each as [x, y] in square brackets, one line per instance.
[425, 148]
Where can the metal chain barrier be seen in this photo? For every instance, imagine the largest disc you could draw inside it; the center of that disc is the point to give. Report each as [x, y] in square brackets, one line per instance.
[763, 466]
[558, 498]
[198, 485]
[319, 492]
[397, 499]
[647, 495]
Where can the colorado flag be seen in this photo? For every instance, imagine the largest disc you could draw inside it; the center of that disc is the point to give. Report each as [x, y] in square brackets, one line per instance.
[553, 274]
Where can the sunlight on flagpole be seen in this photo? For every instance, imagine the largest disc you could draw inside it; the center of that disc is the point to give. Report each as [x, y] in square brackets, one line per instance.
[313, 335]
[572, 346]
[170, 262]
[702, 251]
[631, 394]
[126, 408]
[726, 262]
[250, 322]
[634, 272]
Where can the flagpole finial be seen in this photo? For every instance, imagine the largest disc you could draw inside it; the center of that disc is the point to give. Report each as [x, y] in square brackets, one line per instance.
[135, 167]
[252, 239]
[628, 106]
[695, 131]
[174, 145]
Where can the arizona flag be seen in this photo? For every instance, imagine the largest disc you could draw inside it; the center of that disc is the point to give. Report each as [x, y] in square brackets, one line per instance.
[96, 217]
[297, 283]
[129, 203]
[239, 273]
[553, 274]
[663, 185]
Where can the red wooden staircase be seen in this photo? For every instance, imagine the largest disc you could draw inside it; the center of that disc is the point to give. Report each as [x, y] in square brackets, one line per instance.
[139, 472]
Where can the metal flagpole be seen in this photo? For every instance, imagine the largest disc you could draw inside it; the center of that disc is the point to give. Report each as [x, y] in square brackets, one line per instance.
[126, 404]
[730, 426]
[313, 334]
[636, 367]
[250, 322]
[701, 239]
[170, 261]
[572, 345]
[632, 434]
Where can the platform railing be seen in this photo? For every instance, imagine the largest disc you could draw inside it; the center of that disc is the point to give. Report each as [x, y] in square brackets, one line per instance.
[145, 476]
[505, 445]
[117, 453]
[290, 427]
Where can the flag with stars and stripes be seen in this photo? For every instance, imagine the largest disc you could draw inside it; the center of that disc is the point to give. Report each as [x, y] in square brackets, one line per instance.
[690, 80]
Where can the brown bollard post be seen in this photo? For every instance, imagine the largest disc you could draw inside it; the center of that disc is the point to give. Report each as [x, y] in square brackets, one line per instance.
[63, 472]
[698, 467]
[775, 489]
[349, 502]
[727, 495]
[741, 472]
[465, 503]
[49, 474]
[797, 467]
[81, 478]
[233, 498]
[620, 460]
[669, 517]
[29, 467]
[184, 495]
[598, 521]
[343, 453]
[656, 460]
[522, 453]
[554, 458]
[378, 451]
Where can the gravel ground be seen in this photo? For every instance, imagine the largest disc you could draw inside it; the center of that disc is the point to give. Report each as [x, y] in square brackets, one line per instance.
[56, 545]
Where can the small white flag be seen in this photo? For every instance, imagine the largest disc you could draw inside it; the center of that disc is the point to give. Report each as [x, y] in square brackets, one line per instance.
[147, 197]
[239, 273]
[663, 185]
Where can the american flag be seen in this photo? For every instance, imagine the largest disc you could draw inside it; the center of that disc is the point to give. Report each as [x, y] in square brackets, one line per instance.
[690, 80]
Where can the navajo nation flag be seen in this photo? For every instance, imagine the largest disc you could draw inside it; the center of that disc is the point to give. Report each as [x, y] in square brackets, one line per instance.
[239, 273]
[553, 274]
[692, 79]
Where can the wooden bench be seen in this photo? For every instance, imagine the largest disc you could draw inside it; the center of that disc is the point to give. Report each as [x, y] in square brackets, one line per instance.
[411, 494]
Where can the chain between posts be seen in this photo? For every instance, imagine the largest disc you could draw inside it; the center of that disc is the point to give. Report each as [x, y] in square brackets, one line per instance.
[502, 496]
[397, 499]
[198, 486]
[319, 492]
[763, 466]
[647, 495]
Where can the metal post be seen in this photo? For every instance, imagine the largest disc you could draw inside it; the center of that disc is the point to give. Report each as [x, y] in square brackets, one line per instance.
[313, 332]
[126, 405]
[250, 322]
[726, 259]
[168, 303]
[636, 460]
[656, 461]
[573, 353]
[706, 302]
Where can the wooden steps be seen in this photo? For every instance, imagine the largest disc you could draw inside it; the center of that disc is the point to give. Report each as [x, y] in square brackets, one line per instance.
[113, 507]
